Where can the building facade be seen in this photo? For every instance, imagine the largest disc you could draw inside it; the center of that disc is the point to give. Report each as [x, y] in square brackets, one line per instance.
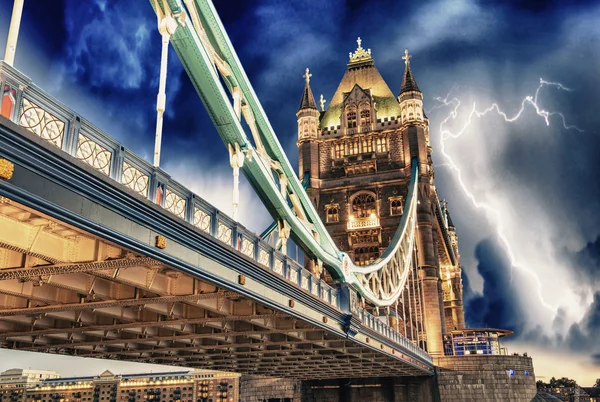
[358, 153]
[182, 386]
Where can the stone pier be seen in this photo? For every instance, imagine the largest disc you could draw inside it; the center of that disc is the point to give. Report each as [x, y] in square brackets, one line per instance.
[473, 378]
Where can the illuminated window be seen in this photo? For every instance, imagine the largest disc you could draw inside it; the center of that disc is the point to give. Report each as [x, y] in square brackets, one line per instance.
[367, 145]
[353, 148]
[363, 205]
[395, 206]
[365, 255]
[338, 150]
[351, 118]
[381, 144]
[333, 213]
[365, 118]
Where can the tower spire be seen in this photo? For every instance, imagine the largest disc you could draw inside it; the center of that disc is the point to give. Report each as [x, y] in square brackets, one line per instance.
[308, 100]
[408, 82]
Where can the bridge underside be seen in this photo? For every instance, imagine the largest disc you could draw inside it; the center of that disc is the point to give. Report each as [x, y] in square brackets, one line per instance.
[65, 291]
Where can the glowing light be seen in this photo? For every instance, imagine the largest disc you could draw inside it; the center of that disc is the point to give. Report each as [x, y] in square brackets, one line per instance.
[475, 113]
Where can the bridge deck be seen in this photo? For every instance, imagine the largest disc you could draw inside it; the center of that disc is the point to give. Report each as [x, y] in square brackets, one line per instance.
[81, 273]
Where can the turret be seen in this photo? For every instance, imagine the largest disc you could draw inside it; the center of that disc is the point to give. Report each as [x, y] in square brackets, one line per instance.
[308, 126]
[410, 97]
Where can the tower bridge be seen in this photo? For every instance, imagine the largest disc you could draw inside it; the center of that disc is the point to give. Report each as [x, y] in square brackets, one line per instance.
[105, 255]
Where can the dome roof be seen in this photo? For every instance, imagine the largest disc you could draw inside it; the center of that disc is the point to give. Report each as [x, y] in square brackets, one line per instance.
[362, 72]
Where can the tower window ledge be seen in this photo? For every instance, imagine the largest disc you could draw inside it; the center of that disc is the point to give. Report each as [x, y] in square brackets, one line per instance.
[370, 222]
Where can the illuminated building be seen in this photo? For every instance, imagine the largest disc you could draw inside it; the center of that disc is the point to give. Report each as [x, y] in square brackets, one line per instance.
[181, 386]
[475, 341]
[357, 153]
[15, 382]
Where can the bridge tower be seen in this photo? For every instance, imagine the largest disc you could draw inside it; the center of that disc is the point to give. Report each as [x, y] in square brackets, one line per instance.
[415, 127]
[358, 154]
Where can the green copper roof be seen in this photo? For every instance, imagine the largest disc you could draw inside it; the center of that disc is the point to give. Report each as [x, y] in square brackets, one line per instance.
[367, 77]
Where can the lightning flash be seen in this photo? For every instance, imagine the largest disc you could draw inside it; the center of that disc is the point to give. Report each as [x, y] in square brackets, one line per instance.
[446, 134]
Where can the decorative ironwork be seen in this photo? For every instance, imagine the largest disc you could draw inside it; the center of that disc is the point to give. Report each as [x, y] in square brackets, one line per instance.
[93, 154]
[263, 257]
[175, 204]
[304, 283]
[224, 233]
[202, 220]
[135, 179]
[42, 123]
[278, 267]
[248, 247]
[315, 288]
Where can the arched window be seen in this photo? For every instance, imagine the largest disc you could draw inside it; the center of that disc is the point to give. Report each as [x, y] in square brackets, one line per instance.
[381, 144]
[351, 118]
[363, 205]
[333, 214]
[365, 118]
[305, 128]
[338, 150]
[353, 147]
[396, 206]
[367, 145]
[365, 255]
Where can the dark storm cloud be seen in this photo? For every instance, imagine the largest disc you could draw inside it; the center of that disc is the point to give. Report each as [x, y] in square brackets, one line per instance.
[588, 261]
[584, 336]
[498, 305]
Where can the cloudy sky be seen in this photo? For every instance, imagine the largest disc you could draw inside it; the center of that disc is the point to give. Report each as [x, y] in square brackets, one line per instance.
[522, 180]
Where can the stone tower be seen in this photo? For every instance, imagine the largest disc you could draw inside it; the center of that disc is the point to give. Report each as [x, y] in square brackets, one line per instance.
[358, 155]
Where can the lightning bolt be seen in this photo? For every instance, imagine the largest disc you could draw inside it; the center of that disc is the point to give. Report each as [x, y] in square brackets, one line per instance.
[446, 134]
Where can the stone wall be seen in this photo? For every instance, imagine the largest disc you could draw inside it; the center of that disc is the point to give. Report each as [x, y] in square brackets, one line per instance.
[259, 389]
[477, 378]
[407, 389]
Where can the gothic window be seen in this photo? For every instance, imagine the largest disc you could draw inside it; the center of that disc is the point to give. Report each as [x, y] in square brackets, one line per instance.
[351, 118]
[365, 255]
[411, 112]
[353, 147]
[367, 145]
[305, 128]
[395, 206]
[381, 144]
[365, 117]
[333, 213]
[338, 150]
[363, 205]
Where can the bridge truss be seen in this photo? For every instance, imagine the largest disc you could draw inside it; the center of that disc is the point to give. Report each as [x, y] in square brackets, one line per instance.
[200, 40]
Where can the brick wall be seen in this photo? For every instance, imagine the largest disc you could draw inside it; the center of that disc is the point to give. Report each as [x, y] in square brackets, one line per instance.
[485, 378]
[259, 389]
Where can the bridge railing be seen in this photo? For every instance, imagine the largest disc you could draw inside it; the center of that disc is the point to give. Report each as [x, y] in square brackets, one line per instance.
[374, 323]
[30, 107]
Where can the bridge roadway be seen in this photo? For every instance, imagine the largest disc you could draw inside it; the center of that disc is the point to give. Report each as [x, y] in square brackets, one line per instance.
[90, 266]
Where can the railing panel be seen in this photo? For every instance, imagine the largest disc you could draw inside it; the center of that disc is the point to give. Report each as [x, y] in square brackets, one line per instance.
[135, 179]
[201, 219]
[42, 123]
[175, 203]
[224, 233]
[94, 154]
[264, 257]
[278, 267]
